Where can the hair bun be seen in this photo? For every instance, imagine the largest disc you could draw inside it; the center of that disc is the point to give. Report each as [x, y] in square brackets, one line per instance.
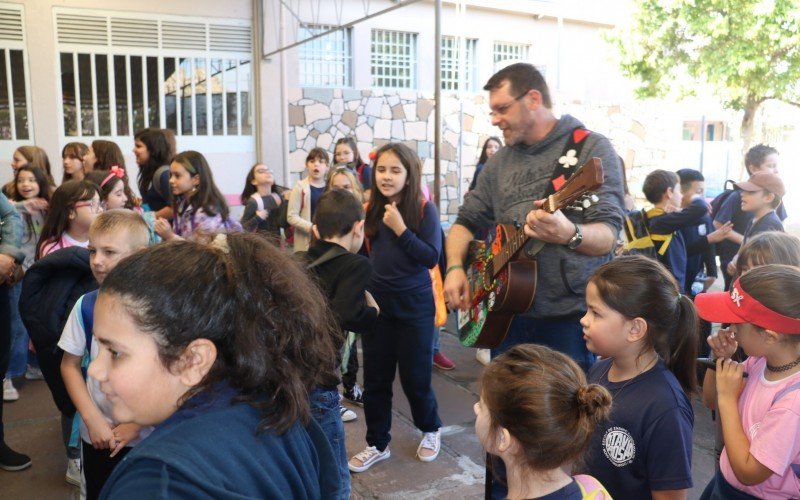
[594, 401]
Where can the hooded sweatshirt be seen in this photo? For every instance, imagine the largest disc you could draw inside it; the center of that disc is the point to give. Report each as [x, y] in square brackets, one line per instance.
[518, 175]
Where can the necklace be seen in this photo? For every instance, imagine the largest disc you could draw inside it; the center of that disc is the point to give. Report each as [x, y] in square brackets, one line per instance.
[783, 368]
[642, 370]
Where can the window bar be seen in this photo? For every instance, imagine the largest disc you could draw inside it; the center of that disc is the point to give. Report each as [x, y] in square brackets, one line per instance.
[178, 98]
[209, 98]
[145, 97]
[238, 97]
[224, 99]
[112, 94]
[192, 75]
[162, 119]
[12, 121]
[79, 119]
[130, 93]
[95, 116]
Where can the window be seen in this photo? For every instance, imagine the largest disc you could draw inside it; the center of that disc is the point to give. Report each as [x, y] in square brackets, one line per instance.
[453, 58]
[188, 77]
[394, 59]
[14, 108]
[506, 51]
[325, 61]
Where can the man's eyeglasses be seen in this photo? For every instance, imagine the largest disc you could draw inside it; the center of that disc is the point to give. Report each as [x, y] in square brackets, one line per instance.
[501, 110]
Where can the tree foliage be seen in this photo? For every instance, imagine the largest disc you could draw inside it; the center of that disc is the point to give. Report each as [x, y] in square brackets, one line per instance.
[747, 51]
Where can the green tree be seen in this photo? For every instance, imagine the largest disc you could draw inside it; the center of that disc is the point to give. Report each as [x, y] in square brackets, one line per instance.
[747, 51]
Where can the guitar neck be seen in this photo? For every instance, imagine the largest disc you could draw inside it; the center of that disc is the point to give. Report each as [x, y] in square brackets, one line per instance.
[515, 243]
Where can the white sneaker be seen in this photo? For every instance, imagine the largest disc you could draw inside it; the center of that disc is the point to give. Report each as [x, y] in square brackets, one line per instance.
[484, 356]
[347, 414]
[367, 458]
[33, 373]
[429, 447]
[73, 475]
[9, 391]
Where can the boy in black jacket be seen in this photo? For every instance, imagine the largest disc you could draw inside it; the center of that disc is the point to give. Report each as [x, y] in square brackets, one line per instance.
[343, 275]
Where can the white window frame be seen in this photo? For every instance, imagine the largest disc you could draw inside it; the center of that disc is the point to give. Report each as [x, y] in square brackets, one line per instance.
[452, 46]
[160, 53]
[17, 45]
[382, 65]
[502, 52]
[326, 58]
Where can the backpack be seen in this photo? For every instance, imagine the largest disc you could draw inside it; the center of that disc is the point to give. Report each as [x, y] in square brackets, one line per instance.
[591, 489]
[87, 314]
[639, 239]
[719, 200]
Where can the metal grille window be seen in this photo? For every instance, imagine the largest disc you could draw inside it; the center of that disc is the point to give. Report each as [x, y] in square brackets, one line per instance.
[325, 61]
[454, 55]
[14, 105]
[190, 77]
[394, 59]
[506, 51]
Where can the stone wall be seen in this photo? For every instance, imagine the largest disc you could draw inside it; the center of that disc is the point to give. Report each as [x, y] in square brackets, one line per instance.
[647, 134]
[319, 117]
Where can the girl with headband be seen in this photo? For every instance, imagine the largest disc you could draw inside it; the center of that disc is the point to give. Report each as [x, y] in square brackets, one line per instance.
[114, 189]
[760, 414]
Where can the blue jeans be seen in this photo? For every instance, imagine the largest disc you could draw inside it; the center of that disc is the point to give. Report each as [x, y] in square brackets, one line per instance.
[325, 410]
[400, 340]
[437, 341]
[5, 342]
[19, 336]
[565, 336]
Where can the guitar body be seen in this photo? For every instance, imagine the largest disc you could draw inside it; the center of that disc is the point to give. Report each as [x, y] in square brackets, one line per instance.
[496, 297]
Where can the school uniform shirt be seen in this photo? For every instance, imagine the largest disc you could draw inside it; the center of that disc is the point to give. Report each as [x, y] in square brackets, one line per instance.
[73, 341]
[769, 222]
[700, 253]
[770, 413]
[675, 256]
[209, 448]
[401, 264]
[646, 445]
[731, 210]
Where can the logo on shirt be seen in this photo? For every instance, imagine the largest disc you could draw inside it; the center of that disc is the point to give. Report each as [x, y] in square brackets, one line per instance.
[618, 446]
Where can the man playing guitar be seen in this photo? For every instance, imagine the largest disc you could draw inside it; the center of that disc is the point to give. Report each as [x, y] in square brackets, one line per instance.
[521, 174]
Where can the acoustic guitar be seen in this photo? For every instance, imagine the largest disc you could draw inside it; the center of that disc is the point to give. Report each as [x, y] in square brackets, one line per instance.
[502, 280]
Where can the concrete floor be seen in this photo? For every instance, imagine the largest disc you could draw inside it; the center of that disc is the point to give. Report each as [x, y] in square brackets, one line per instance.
[32, 426]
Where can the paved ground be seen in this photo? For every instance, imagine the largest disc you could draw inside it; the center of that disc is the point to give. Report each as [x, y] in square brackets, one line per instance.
[32, 426]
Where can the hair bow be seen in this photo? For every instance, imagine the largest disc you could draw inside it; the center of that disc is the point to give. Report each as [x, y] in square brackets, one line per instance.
[114, 172]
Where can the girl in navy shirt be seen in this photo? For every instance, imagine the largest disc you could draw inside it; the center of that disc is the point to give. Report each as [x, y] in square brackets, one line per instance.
[537, 414]
[646, 331]
[221, 367]
[404, 240]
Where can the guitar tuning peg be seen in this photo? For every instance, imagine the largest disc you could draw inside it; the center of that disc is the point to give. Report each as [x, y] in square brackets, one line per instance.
[594, 198]
[587, 203]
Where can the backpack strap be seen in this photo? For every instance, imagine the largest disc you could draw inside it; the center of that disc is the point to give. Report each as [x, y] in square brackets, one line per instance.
[259, 201]
[329, 254]
[786, 390]
[567, 163]
[591, 487]
[87, 314]
[156, 182]
[665, 239]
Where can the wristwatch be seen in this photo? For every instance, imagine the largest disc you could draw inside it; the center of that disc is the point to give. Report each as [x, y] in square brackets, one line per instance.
[576, 239]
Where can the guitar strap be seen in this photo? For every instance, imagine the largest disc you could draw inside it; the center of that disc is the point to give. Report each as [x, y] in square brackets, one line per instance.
[565, 166]
[567, 163]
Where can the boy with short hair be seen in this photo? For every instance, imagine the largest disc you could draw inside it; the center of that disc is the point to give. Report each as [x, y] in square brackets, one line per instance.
[761, 196]
[113, 235]
[666, 220]
[759, 158]
[343, 275]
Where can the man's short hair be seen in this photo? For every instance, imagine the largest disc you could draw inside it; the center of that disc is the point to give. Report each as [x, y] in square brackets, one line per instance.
[337, 212]
[755, 156]
[521, 77]
[689, 175]
[119, 219]
[656, 184]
